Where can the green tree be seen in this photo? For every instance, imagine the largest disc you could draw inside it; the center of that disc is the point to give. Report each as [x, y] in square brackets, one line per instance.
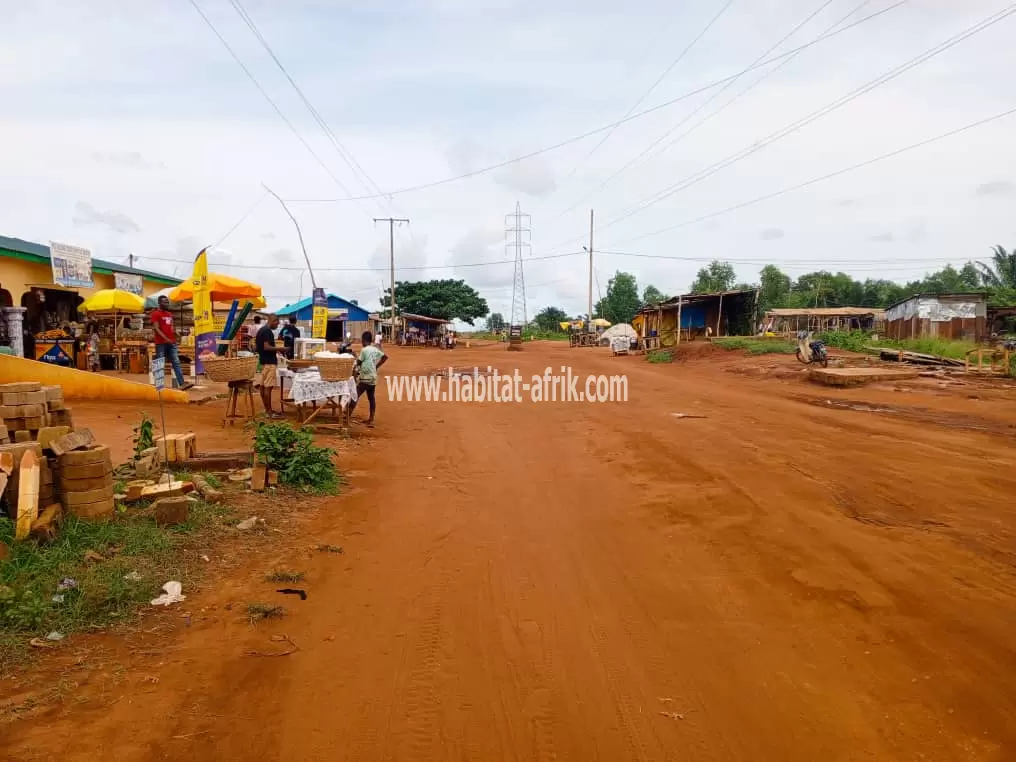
[622, 300]
[969, 276]
[445, 299]
[718, 276]
[495, 323]
[549, 319]
[1000, 272]
[774, 289]
[651, 295]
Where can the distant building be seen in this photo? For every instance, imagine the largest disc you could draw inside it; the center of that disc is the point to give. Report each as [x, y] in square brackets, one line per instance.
[343, 317]
[943, 316]
[726, 313]
[787, 321]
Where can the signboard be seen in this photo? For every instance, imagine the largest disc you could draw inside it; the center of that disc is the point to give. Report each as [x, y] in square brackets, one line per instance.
[128, 282]
[319, 319]
[342, 314]
[55, 352]
[205, 342]
[159, 373]
[72, 266]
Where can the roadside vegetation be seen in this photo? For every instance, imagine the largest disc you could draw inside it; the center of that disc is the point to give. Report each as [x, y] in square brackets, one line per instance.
[756, 346]
[93, 575]
[858, 341]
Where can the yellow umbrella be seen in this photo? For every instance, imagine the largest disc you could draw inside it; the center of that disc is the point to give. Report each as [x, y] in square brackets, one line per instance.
[601, 323]
[114, 300]
[222, 288]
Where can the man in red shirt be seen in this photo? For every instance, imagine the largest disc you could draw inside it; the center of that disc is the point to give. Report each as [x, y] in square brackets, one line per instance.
[165, 339]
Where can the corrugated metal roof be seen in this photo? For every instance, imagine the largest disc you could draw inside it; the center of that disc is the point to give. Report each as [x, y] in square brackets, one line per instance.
[973, 296]
[876, 312]
[103, 266]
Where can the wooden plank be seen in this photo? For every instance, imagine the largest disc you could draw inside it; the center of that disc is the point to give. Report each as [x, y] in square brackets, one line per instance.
[163, 490]
[76, 440]
[28, 494]
[225, 462]
[259, 478]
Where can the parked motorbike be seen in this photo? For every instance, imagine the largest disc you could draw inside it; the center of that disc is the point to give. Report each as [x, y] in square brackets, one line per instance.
[809, 352]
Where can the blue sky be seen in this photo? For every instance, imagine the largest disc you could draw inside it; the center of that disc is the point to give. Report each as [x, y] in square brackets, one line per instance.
[129, 128]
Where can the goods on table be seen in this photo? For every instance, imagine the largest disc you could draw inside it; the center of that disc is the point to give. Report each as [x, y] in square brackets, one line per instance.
[334, 368]
[56, 333]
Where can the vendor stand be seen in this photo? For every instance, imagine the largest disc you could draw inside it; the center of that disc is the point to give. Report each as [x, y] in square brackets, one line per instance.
[121, 337]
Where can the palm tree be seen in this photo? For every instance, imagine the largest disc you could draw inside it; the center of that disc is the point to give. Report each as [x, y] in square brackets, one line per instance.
[1001, 273]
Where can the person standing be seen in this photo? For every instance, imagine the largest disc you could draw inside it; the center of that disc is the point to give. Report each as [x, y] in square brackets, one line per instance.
[165, 340]
[371, 358]
[289, 334]
[264, 345]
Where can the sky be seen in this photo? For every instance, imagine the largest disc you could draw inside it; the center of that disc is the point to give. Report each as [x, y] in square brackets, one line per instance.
[129, 128]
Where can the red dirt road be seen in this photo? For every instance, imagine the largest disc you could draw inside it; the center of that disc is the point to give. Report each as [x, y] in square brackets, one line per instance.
[784, 579]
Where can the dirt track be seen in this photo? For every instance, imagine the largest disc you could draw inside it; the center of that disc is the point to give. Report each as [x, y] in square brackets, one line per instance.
[785, 579]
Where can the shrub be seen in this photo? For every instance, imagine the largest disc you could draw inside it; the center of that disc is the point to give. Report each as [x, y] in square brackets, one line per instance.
[660, 356]
[294, 455]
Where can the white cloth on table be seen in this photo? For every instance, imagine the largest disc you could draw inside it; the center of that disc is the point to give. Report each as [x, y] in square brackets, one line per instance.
[308, 387]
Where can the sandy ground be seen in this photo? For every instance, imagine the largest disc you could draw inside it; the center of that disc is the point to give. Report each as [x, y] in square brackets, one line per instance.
[803, 574]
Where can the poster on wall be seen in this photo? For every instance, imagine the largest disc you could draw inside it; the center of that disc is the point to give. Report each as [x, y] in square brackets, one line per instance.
[72, 266]
[128, 282]
[319, 318]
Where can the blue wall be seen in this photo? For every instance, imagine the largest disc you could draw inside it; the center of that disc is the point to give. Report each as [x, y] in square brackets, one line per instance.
[304, 309]
[693, 316]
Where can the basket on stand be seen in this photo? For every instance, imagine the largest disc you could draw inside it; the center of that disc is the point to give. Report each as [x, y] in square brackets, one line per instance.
[230, 368]
[334, 368]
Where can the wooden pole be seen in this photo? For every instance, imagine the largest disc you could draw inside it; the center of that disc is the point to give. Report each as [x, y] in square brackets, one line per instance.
[719, 315]
[680, 299]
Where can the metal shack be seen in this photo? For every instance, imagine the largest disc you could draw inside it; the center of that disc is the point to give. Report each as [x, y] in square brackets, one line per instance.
[943, 316]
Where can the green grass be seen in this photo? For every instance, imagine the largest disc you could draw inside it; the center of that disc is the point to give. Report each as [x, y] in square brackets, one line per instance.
[257, 612]
[280, 575]
[129, 543]
[755, 346]
[857, 341]
[660, 356]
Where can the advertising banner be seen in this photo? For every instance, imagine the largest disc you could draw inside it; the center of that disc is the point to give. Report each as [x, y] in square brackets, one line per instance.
[205, 337]
[72, 266]
[128, 282]
[319, 318]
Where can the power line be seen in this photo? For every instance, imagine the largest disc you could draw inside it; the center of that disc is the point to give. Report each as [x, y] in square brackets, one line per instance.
[268, 98]
[828, 176]
[632, 162]
[344, 153]
[365, 269]
[243, 219]
[680, 57]
[769, 73]
[598, 130]
[793, 127]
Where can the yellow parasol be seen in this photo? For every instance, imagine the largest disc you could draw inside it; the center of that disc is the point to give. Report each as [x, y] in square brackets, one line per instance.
[114, 300]
[222, 288]
[601, 323]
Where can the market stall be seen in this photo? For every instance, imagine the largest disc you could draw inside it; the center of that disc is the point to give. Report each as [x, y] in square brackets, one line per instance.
[123, 342]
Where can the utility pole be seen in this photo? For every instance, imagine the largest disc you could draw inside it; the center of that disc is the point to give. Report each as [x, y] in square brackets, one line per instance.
[391, 250]
[130, 261]
[589, 325]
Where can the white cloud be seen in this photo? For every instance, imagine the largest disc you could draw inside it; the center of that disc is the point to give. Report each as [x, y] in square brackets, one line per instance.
[421, 89]
[86, 214]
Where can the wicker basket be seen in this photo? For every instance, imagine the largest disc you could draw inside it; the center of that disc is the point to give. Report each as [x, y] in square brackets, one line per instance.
[334, 368]
[230, 368]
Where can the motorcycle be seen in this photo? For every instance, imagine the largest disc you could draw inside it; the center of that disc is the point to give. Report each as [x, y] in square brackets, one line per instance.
[809, 352]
